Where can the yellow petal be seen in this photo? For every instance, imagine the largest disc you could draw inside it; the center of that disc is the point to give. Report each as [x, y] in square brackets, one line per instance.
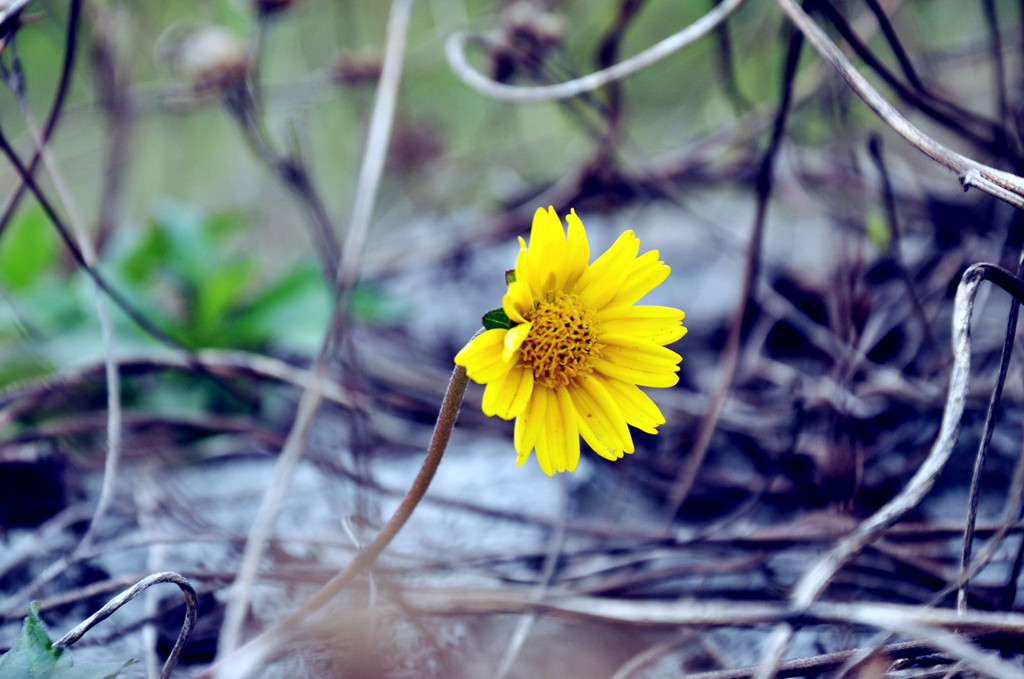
[560, 434]
[508, 397]
[518, 301]
[569, 454]
[541, 447]
[485, 374]
[641, 376]
[546, 252]
[636, 349]
[659, 324]
[480, 345]
[530, 424]
[483, 356]
[638, 408]
[644, 274]
[601, 422]
[597, 444]
[629, 360]
[577, 251]
[641, 312]
[603, 278]
[522, 275]
[514, 339]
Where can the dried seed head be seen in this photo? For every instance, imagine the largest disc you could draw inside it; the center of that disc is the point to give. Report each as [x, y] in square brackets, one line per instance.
[271, 6]
[207, 57]
[527, 36]
[527, 23]
[356, 67]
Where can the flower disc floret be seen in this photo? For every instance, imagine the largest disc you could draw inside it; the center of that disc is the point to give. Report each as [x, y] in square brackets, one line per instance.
[561, 341]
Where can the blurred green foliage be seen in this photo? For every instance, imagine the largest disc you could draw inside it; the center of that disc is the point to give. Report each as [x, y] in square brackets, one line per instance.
[211, 297]
[184, 271]
[33, 656]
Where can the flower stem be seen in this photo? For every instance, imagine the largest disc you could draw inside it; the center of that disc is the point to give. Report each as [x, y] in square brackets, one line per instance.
[259, 647]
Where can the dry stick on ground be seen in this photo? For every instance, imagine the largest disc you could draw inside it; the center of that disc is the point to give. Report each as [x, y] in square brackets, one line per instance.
[816, 578]
[113, 80]
[1009, 589]
[731, 352]
[1011, 507]
[606, 54]
[695, 156]
[295, 176]
[147, 420]
[56, 108]
[244, 659]
[88, 255]
[816, 664]
[145, 494]
[244, 100]
[635, 665]
[1002, 185]
[1014, 494]
[999, 70]
[941, 629]
[369, 181]
[969, 126]
[556, 544]
[25, 396]
[371, 171]
[727, 73]
[191, 608]
[112, 378]
[377, 139]
[238, 605]
[895, 246]
[974, 491]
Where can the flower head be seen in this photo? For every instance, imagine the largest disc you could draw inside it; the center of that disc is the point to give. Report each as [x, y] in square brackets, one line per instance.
[568, 351]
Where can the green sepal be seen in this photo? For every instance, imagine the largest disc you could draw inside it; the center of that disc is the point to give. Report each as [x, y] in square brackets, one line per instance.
[510, 276]
[497, 319]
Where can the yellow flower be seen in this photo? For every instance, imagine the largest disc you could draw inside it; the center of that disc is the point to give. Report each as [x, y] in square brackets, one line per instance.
[578, 349]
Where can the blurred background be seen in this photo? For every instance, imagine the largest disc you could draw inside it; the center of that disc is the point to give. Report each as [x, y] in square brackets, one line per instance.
[211, 151]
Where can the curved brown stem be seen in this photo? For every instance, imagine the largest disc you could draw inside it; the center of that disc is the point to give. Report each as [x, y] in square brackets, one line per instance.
[256, 649]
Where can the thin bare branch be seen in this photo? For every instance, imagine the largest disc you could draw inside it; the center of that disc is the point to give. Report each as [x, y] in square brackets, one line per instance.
[191, 610]
[379, 134]
[455, 52]
[1003, 185]
[377, 139]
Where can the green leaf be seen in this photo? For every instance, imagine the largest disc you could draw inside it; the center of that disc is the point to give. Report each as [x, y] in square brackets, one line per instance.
[33, 656]
[191, 255]
[221, 291]
[293, 310]
[370, 305]
[28, 249]
[222, 225]
[497, 319]
[90, 671]
[878, 230]
[147, 256]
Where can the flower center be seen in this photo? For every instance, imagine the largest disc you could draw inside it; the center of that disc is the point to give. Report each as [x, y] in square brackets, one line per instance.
[561, 341]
